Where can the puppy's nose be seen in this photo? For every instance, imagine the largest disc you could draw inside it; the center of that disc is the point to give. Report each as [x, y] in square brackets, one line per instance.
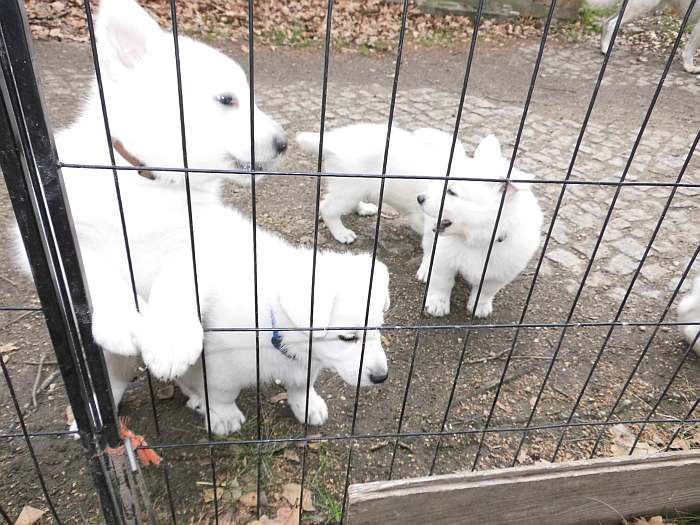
[280, 144]
[420, 198]
[378, 378]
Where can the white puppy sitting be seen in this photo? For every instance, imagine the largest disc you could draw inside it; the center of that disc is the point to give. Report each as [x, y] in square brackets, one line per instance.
[359, 148]
[138, 71]
[227, 298]
[689, 312]
[466, 227]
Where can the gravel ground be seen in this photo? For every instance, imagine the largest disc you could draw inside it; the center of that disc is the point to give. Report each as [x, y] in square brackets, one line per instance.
[289, 88]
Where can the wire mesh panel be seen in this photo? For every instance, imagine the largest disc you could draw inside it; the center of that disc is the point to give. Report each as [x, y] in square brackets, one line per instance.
[582, 355]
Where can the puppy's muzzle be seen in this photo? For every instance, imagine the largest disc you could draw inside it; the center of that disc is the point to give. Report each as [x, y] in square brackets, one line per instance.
[280, 144]
[379, 378]
[444, 224]
[420, 198]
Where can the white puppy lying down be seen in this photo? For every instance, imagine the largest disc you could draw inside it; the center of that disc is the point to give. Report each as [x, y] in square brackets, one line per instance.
[225, 270]
[689, 312]
[359, 148]
[468, 219]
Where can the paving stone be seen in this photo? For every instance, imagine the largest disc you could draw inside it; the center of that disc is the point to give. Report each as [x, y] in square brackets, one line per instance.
[621, 264]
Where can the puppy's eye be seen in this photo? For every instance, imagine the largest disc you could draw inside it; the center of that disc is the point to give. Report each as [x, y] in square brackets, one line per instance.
[452, 192]
[348, 338]
[227, 100]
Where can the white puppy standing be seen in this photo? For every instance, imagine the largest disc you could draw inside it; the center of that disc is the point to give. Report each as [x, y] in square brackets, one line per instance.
[466, 228]
[359, 148]
[689, 312]
[284, 287]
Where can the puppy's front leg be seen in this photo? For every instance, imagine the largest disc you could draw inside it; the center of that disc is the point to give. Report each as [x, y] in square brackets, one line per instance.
[689, 52]
[318, 410]
[115, 320]
[442, 280]
[171, 336]
[488, 291]
[427, 245]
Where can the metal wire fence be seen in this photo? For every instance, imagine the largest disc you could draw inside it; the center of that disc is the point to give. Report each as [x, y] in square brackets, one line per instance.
[31, 168]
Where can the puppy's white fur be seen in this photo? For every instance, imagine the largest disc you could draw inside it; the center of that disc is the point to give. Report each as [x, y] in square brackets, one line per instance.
[138, 69]
[639, 8]
[284, 277]
[689, 312]
[360, 148]
[467, 224]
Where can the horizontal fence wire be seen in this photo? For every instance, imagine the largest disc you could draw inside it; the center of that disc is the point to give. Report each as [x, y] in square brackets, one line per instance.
[397, 176]
[422, 434]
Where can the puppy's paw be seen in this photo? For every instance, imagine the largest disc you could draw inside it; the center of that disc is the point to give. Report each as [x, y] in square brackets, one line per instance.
[345, 236]
[318, 410]
[437, 305]
[168, 349]
[366, 208]
[116, 332]
[226, 419]
[483, 310]
[690, 67]
[422, 273]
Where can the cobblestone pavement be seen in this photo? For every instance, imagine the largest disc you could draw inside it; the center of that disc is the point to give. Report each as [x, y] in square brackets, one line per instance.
[360, 90]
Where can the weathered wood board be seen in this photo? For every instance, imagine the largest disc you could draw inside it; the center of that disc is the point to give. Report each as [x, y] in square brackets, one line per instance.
[503, 8]
[591, 491]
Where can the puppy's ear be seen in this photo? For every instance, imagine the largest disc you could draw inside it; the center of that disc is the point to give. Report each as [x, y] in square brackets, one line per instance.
[124, 32]
[488, 148]
[295, 300]
[511, 186]
[381, 279]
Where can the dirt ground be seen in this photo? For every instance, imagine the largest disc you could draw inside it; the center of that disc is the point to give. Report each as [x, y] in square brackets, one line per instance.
[288, 83]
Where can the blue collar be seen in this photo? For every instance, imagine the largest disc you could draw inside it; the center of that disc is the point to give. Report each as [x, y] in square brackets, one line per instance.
[277, 340]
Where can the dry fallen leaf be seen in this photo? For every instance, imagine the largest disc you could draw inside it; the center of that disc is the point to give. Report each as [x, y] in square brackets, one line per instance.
[654, 520]
[166, 392]
[282, 396]
[291, 455]
[250, 499]
[29, 516]
[623, 439]
[292, 493]
[285, 516]
[8, 347]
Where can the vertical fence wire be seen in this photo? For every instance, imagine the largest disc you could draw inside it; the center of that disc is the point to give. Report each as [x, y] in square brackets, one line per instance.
[190, 223]
[254, 217]
[628, 292]
[122, 219]
[684, 422]
[646, 348]
[548, 236]
[526, 107]
[416, 343]
[375, 244]
[28, 443]
[319, 168]
[603, 229]
[648, 417]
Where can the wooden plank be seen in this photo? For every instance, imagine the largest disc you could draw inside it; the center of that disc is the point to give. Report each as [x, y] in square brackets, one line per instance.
[591, 491]
[568, 9]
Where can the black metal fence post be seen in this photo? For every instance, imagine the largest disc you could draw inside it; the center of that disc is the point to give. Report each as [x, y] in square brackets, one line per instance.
[30, 167]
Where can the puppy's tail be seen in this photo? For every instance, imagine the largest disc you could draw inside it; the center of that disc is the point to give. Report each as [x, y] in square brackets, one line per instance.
[308, 141]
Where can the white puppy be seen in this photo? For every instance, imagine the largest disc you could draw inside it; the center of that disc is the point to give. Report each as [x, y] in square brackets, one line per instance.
[639, 8]
[689, 312]
[466, 227]
[359, 148]
[284, 277]
[138, 67]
